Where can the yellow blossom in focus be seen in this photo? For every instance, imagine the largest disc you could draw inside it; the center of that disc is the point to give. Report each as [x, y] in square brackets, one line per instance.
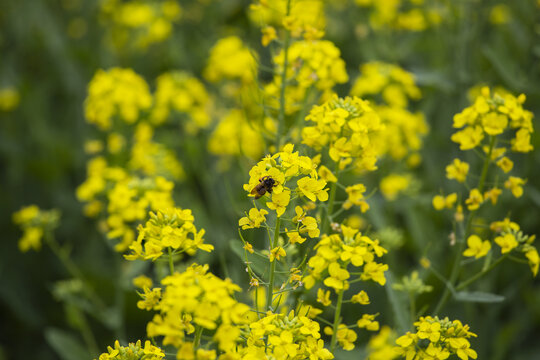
[360, 298]
[279, 202]
[324, 297]
[477, 247]
[254, 219]
[507, 242]
[276, 253]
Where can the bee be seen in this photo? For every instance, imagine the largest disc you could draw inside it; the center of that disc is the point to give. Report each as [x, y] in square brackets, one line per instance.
[266, 183]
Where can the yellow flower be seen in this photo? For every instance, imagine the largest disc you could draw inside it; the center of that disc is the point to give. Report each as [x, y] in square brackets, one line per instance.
[494, 124]
[150, 298]
[468, 138]
[326, 174]
[230, 59]
[522, 141]
[394, 184]
[534, 260]
[361, 298]
[431, 331]
[338, 277]
[475, 200]
[492, 194]
[279, 202]
[507, 242]
[504, 225]
[374, 272]
[276, 253]
[477, 247]
[254, 219]
[324, 297]
[515, 184]
[142, 282]
[505, 164]
[313, 189]
[269, 34]
[356, 197]
[457, 170]
[294, 237]
[368, 322]
[116, 92]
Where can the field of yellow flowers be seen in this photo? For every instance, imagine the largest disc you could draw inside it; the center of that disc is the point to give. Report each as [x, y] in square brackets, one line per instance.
[269, 179]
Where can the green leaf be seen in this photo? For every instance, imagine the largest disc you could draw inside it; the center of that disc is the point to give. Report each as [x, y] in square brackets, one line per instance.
[66, 345]
[478, 296]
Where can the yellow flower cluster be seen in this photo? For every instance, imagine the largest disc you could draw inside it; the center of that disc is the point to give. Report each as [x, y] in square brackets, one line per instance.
[116, 93]
[381, 346]
[136, 24]
[128, 198]
[336, 252]
[285, 337]
[395, 85]
[134, 351]
[346, 126]
[402, 132]
[231, 59]
[283, 167]
[436, 339]
[410, 15]
[492, 115]
[34, 223]
[309, 64]
[173, 229]
[182, 93]
[306, 17]
[197, 298]
[508, 237]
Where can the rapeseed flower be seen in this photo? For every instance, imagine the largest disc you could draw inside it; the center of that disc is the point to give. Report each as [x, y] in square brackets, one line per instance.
[116, 93]
[35, 223]
[134, 351]
[477, 247]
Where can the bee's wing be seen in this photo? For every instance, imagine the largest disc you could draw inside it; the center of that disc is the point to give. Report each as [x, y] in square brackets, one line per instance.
[255, 191]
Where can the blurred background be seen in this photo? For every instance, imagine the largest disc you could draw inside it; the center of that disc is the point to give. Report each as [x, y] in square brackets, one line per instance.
[49, 52]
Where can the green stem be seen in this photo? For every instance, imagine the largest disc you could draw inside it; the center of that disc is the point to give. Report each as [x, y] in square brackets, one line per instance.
[281, 115]
[461, 245]
[472, 279]
[412, 307]
[171, 262]
[197, 339]
[337, 320]
[270, 292]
